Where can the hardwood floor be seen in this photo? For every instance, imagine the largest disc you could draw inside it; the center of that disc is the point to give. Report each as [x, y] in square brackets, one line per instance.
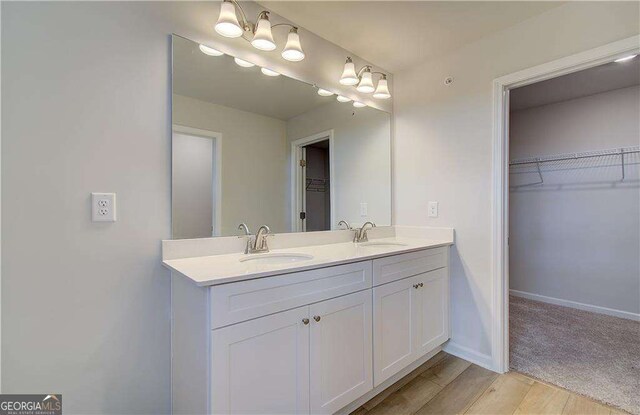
[449, 385]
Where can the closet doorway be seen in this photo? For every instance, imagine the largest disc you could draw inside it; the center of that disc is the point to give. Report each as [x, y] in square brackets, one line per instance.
[313, 187]
[574, 231]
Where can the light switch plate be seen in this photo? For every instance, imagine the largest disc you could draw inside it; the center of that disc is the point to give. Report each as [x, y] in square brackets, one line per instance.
[103, 207]
[433, 209]
[364, 208]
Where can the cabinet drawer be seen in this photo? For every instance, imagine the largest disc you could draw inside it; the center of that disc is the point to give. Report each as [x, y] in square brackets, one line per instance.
[397, 267]
[240, 301]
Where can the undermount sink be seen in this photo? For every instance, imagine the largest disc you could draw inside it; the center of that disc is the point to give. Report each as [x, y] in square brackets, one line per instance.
[276, 258]
[382, 244]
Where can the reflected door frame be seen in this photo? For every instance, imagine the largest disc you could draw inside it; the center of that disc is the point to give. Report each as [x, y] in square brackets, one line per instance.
[298, 179]
[216, 218]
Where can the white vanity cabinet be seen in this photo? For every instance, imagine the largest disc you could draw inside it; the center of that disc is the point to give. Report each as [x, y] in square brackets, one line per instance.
[313, 341]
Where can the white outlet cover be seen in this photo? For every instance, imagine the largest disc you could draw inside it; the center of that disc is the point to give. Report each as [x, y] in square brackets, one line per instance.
[433, 209]
[103, 207]
[364, 209]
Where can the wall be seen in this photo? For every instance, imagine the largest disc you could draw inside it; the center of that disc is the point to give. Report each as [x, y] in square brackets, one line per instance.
[86, 107]
[362, 158]
[443, 142]
[576, 237]
[254, 163]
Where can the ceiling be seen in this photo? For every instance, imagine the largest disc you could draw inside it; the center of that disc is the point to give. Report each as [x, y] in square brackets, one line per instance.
[397, 34]
[614, 75]
[218, 80]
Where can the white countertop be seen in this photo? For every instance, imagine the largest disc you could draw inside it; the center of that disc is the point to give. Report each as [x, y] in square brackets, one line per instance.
[222, 269]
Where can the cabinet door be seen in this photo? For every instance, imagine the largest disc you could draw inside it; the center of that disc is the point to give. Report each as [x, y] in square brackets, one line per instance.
[262, 366]
[432, 310]
[341, 351]
[394, 326]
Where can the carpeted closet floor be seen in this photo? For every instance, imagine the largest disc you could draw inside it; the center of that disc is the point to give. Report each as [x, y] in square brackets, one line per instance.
[591, 354]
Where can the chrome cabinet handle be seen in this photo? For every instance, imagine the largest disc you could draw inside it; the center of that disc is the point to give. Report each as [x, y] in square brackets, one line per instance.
[316, 318]
[305, 321]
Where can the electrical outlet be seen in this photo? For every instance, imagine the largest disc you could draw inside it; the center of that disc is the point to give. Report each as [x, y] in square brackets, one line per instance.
[364, 209]
[103, 207]
[433, 210]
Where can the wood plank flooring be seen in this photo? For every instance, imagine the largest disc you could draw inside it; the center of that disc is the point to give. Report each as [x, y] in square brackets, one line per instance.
[449, 385]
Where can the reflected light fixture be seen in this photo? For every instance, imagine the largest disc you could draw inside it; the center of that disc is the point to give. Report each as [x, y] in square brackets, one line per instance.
[366, 82]
[262, 37]
[243, 63]
[349, 76]
[269, 72]
[359, 104]
[363, 78]
[342, 98]
[382, 91]
[324, 92]
[210, 51]
[228, 25]
[626, 58]
[293, 49]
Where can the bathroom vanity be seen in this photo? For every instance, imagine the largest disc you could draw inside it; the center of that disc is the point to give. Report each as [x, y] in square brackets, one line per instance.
[312, 328]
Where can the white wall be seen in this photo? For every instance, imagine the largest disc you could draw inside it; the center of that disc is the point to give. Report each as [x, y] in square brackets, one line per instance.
[254, 163]
[577, 236]
[362, 158]
[442, 148]
[86, 107]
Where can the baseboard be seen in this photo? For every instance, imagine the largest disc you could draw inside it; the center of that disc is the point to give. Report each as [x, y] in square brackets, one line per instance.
[469, 355]
[577, 305]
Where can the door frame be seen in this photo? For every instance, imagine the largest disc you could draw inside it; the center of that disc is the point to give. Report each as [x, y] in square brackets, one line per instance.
[296, 177]
[500, 174]
[216, 218]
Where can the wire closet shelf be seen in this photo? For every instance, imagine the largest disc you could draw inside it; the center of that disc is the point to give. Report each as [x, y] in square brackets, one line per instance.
[618, 157]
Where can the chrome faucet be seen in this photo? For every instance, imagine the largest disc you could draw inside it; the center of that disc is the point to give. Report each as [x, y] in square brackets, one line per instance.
[243, 227]
[346, 224]
[260, 241]
[361, 234]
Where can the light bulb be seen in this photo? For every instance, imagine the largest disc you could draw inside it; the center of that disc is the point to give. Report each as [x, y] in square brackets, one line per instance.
[366, 82]
[263, 38]
[210, 51]
[359, 104]
[349, 76]
[341, 98]
[626, 58]
[269, 72]
[382, 91]
[324, 92]
[228, 25]
[243, 63]
[293, 49]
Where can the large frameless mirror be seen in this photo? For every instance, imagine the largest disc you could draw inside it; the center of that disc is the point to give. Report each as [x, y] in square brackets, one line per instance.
[258, 149]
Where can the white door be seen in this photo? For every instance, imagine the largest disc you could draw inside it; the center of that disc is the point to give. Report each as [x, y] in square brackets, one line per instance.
[341, 351]
[262, 366]
[432, 310]
[393, 328]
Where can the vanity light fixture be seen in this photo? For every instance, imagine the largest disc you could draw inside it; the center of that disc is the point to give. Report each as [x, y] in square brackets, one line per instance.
[364, 80]
[349, 76]
[228, 25]
[626, 58]
[341, 98]
[210, 51]
[243, 63]
[324, 92]
[269, 72]
[359, 104]
[263, 38]
[382, 91]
